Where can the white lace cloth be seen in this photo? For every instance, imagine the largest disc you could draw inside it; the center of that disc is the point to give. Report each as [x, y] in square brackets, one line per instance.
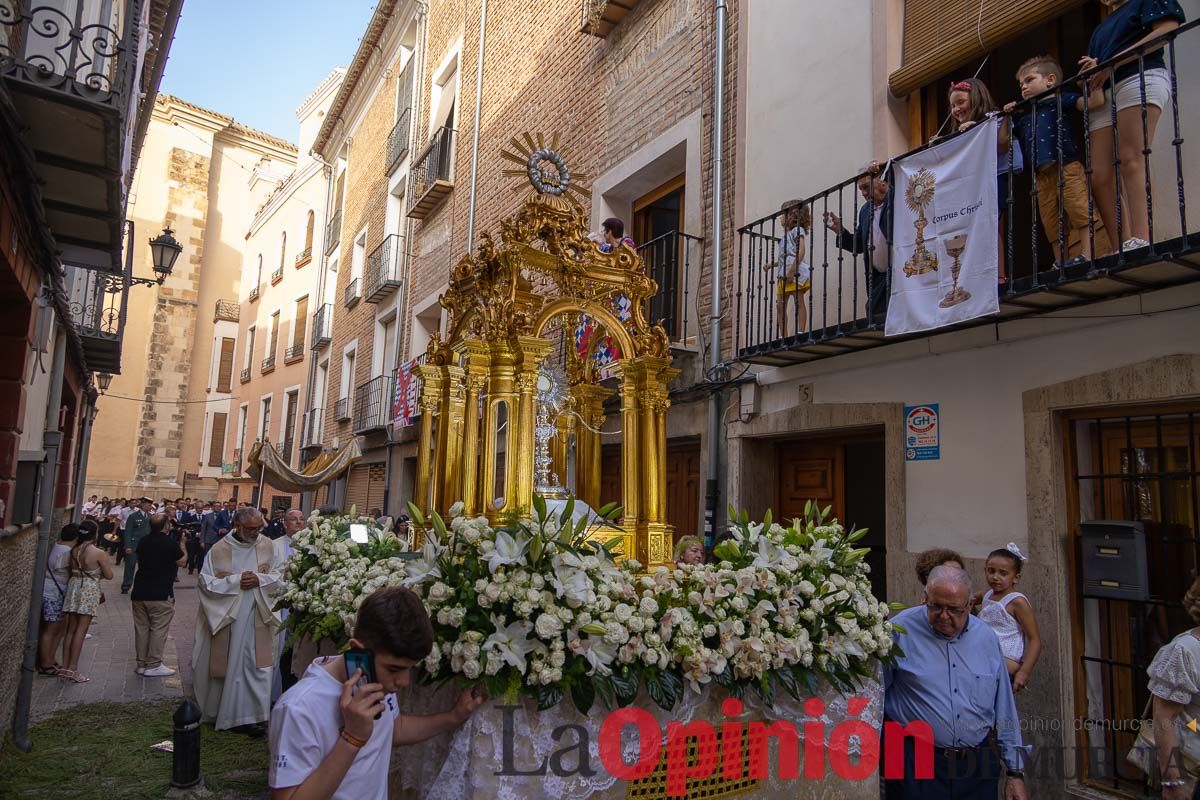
[464, 764]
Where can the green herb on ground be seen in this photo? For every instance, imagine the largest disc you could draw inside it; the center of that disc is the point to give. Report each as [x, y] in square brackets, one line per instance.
[102, 751]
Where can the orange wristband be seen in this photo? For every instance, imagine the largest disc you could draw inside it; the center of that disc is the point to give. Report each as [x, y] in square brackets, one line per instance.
[351, 740]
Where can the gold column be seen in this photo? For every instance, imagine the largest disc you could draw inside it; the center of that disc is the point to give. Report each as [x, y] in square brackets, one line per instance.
[589, 402]
[631, 456]
[500, 370]
[560, 445]
[450, 433]
[533, 351]
[478, 359]
[429, 399]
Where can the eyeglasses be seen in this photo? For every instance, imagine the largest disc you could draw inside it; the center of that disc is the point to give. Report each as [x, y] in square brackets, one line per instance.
[936, 610]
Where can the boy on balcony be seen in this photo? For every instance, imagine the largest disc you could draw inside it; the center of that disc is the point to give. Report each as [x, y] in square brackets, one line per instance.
[1042, 131]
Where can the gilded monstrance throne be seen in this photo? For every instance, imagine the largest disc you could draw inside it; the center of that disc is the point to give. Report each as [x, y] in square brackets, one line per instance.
[508, 304]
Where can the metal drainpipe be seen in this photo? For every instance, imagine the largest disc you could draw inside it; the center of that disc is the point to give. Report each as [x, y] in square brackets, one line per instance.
[85, 449]
[712, 484]
[51, 441]
[475, 132]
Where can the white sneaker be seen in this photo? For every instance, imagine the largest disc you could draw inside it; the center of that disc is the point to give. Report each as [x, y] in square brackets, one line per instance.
[140, 670]
[87, 636]
[1134, 243]
[161, 671]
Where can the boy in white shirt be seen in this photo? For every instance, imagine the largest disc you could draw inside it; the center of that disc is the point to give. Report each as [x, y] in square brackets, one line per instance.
[326, 742]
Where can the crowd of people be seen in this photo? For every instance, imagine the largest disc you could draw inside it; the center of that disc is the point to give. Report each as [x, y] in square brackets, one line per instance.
[1118, 107]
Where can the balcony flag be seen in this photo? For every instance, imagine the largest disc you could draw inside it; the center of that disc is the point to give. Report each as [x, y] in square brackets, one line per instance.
[945, 234]
[408, 390]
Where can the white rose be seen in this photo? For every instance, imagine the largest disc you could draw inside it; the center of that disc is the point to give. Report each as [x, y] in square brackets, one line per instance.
[548, 626]
[648, 605]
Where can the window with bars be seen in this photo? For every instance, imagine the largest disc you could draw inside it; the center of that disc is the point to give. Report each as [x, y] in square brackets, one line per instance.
[1139, 465]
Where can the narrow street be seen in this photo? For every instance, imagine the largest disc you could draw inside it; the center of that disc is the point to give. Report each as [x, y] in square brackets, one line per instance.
[108, 657]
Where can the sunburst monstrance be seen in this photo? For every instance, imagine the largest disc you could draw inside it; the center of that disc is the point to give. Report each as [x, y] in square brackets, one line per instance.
[546, 168]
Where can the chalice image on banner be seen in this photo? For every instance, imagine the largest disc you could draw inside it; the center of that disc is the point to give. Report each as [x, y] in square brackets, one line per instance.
[955, 245]
[918, 196]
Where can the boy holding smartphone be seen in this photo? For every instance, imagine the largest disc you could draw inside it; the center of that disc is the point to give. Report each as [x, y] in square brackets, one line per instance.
[332, 733]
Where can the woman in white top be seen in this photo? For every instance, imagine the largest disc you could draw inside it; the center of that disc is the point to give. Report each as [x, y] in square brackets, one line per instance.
[1175, 693]
[54, 589]
[792, 271]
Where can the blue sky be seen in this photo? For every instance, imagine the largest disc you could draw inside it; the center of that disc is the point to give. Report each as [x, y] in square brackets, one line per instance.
[256, 60]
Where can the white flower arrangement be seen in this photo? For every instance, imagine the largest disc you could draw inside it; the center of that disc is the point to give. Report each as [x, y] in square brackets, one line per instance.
[539, 607]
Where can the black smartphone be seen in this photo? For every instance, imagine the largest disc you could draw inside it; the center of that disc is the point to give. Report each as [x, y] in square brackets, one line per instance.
[365, 660]
[361, 659]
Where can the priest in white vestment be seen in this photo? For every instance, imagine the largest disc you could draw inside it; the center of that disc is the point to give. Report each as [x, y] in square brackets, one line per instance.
[233, 658]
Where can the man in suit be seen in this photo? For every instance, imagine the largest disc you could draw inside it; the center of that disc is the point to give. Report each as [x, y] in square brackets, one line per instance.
[137, 525]
[872, 238]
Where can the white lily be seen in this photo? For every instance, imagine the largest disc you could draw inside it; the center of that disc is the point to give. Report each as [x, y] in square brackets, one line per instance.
[599, 655]
[508, 551]
[511, 642]
[424, 568]
[769, 553]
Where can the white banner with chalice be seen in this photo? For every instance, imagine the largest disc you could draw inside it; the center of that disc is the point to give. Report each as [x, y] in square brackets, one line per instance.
[945, 235]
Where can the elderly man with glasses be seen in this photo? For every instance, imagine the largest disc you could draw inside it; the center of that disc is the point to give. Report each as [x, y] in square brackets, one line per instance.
[952, 676]
[233, 658]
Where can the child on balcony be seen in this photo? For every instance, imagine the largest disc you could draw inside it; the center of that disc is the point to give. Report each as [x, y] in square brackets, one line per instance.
[1043, 132]
[970, 103]
[793, 279]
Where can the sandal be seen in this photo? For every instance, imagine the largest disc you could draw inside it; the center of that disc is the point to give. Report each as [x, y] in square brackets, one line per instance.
[79, 677]
[49, 671]
[66, 674]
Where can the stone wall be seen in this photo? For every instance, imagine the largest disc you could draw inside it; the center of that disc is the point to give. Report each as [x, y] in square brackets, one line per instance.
[16, 576]
[169, 361]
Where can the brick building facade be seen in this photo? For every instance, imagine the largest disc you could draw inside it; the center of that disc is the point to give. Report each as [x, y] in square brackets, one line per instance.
[633, 109]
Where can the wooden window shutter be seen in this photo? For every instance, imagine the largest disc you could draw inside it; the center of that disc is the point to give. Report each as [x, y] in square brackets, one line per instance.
[300, 326]
[404, 97]
[225, 367]
[942, 35]
[216, 444]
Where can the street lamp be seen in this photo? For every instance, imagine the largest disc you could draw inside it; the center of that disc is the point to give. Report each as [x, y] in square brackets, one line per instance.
[103, 380]
[164, 250]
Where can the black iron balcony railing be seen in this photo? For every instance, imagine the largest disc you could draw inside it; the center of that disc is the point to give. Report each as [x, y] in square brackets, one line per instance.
[97, 305]
[673, 261]
[353, 294]
[341, 410]
[432, 175]
[397, 143]
[303, 257]
[372, 401]
[82, 49]
[268, 364]
[322, 333]
[312, 434]
[277, 275]
[253, 294]
[227, 310]
[293, 354]
[333, 232]
[384, 270]
[1135, 238]
[245, 375]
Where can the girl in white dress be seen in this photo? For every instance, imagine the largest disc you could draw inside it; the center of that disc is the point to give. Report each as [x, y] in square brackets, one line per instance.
[1009, 614]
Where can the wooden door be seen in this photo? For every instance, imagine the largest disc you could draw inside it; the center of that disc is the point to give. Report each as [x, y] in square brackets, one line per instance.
[683, 488]
[810, 470]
